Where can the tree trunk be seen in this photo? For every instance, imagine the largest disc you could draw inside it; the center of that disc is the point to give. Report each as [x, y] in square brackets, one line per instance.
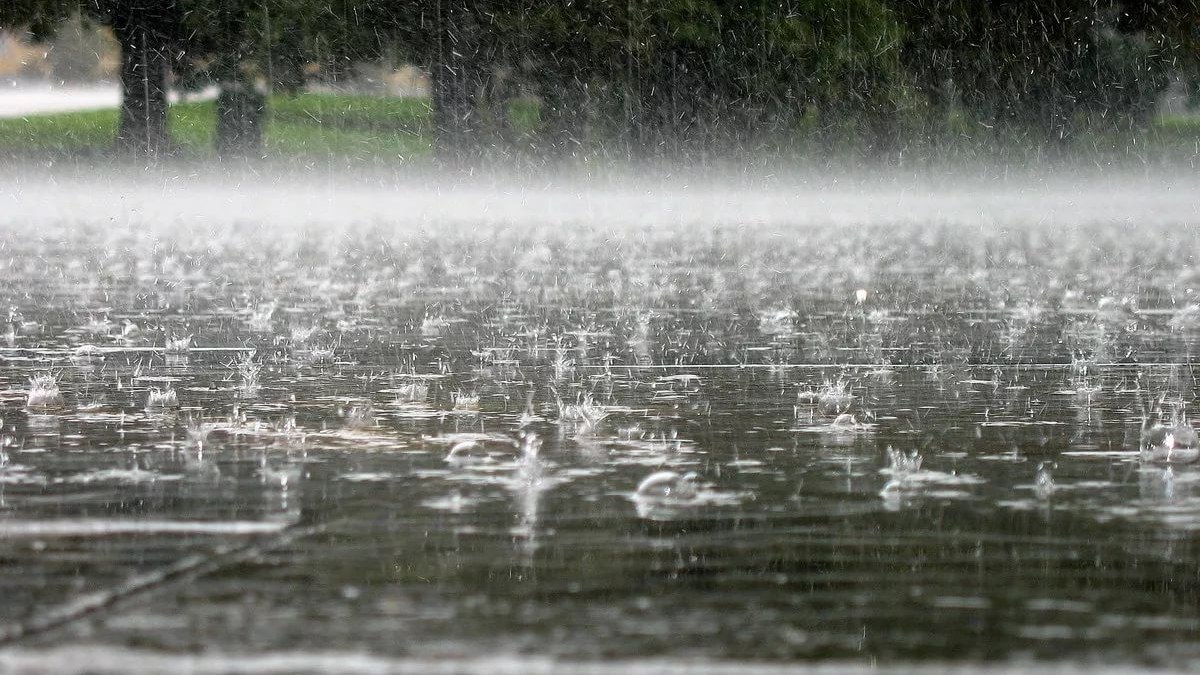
[146, 34]
[241, 112]
[453, 81]
[452, 111]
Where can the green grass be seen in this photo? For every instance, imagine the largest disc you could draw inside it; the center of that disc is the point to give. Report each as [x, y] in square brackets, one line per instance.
[193, 127]
[363, 113]
[357, 128]
[1178, 135]
[68, 132]
[301, 126]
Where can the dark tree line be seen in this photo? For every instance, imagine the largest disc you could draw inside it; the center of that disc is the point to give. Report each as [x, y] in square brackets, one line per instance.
[695, 75]
[651, 77]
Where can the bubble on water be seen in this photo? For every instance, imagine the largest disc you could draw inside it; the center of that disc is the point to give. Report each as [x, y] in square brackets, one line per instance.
[845, 421]
[87, 352]
[482, 449]
[668, 486]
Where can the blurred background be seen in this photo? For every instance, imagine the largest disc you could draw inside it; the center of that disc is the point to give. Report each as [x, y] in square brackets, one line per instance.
[708, 81]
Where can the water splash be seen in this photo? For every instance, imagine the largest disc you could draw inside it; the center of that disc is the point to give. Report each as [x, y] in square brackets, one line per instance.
[43, 392]
[1043, 483]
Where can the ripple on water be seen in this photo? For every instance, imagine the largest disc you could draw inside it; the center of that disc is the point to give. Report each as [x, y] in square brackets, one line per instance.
[357, 358]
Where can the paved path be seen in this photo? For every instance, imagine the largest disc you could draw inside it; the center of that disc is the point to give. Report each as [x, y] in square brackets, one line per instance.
[39, 99]
[23, 99]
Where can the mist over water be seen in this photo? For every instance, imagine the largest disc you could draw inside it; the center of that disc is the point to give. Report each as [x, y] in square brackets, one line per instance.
[168, 200]
[889, 419]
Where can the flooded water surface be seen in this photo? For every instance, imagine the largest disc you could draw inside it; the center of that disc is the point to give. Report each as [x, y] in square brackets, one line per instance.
[705, 428]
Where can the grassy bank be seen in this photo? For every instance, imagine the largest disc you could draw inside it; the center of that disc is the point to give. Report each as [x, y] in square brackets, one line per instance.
[306, 125]
[369, 129]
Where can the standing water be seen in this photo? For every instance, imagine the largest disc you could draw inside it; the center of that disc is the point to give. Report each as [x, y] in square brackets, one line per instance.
[338, 428]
